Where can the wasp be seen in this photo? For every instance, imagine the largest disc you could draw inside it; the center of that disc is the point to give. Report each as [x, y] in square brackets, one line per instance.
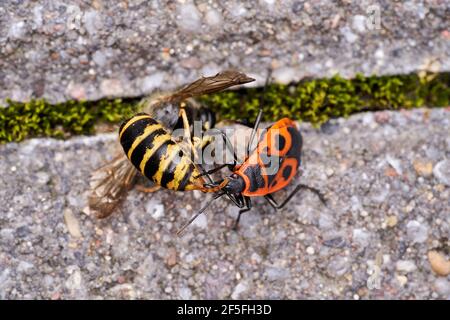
[161, 114]
[158, 156]
[270, 167]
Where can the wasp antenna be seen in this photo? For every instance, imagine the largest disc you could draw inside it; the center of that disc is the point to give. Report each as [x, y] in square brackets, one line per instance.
[181, 230]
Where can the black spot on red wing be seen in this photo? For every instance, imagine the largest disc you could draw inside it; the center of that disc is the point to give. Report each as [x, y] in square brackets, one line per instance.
[280, 142]
[296, 145]
[256, 180]
[274, 183]
[286, 172]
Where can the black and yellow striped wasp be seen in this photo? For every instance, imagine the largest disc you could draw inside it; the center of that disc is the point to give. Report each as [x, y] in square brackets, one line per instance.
[152, 151]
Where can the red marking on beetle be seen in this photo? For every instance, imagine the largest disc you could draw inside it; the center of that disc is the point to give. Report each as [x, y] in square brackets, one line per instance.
[276, 142]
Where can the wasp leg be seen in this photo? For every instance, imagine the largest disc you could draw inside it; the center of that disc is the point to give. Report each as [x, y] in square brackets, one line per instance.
[230, 166]
[235, 160]
[141, 188]
[277, 206]
[212, 184]
[248, 204]
[187, 131]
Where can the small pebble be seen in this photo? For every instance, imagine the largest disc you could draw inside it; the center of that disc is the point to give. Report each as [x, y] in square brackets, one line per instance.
[402, 280]
[156, 209]
[171, 258]
[359, 23]
[276, 273]
[391, 221]
[349, 35]
[423, 168]
[337, 242]
[442, 287]
[395, 163]
[329, 172]
[439, 264]
[417, 232]
[238, 290]
[185, 293]
[256, 258]
[361, 237]
[189, 18]
[168, 290]
[442, 172]
[410, 207]
[406, 266]
[72, 223]
[201, 221]
[24, 266]
[74, 281]
[213, 18]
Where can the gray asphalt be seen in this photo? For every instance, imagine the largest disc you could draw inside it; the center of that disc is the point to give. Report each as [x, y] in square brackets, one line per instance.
[60, 50]
[386, 176]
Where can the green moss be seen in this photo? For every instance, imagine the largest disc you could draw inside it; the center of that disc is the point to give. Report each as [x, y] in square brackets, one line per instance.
[39, 118]
[315, 101]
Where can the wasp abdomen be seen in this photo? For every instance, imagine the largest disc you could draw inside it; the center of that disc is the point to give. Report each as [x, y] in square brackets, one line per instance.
[153, 152]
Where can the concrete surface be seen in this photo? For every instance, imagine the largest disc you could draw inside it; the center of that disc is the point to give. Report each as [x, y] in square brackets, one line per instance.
[61, 50]
[386, 176]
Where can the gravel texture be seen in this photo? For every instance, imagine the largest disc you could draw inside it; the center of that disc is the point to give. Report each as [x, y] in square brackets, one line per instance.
[73, 49]
[386, 176]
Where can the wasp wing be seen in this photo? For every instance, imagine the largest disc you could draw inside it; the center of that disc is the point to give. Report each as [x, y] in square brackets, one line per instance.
[110, 184]
[165, 107]
[206, 85]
